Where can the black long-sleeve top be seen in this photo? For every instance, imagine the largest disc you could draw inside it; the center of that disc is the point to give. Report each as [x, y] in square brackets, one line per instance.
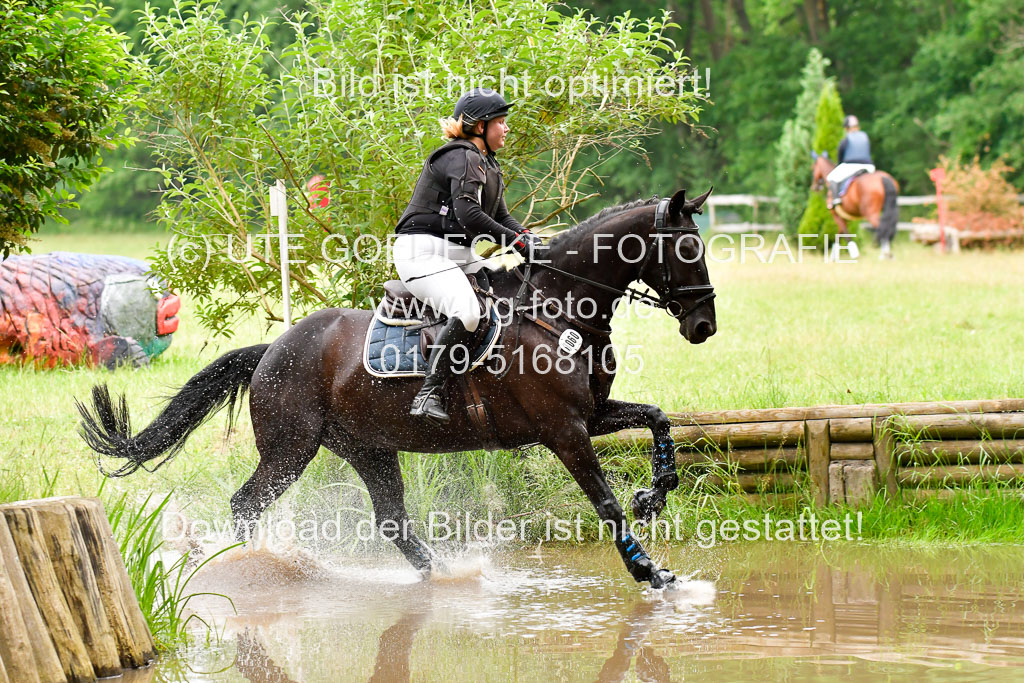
[462, 172]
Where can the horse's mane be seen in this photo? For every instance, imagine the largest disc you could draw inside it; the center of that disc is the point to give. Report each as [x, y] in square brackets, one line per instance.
[566, 237]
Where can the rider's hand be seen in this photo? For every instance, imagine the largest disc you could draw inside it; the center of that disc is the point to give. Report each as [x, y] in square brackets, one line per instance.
[526, 244]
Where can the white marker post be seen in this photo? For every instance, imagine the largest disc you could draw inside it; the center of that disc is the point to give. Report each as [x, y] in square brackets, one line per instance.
[279, 208]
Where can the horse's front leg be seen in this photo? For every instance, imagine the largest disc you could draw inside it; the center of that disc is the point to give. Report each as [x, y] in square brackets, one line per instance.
[840, 222]
[572, 446]
[611, 416]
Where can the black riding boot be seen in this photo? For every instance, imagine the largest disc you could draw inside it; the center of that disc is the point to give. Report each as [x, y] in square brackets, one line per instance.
[834, 187]
[427, 403]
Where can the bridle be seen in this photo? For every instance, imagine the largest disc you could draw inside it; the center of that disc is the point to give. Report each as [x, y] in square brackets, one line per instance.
[667, 298]
[666, 293]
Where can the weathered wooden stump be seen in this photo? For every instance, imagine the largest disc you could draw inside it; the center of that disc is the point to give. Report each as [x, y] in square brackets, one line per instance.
[69, 611]
[853, 482]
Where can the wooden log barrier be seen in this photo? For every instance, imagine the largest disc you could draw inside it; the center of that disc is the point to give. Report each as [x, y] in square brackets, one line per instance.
[961, 426]
[850, 429]
[852, 451]
[958, 474]
[69, 611]
[868, 410]
[884, 447]
[713, 436]
[960, 452]
[848, 451]
[755, 482]
[755, 459]
[819, 447]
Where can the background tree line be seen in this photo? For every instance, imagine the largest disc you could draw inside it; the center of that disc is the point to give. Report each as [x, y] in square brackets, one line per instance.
[926, 78]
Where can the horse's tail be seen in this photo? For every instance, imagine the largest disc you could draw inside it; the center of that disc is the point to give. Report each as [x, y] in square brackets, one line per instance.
[107, 428]
[890, 212]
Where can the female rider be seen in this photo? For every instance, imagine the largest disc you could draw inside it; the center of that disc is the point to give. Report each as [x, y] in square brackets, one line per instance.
[457, 199]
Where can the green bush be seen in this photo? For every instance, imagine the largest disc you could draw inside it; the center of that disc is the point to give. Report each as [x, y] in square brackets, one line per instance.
[828, 131]
[793, 150]
[66, 81]
[828, 121]
[817, 220]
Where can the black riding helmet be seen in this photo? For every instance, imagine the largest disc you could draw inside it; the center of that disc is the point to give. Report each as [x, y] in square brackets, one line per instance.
[480, 104]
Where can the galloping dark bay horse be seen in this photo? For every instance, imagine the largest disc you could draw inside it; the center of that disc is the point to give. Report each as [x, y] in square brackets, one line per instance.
[309, 388]
[872, 197]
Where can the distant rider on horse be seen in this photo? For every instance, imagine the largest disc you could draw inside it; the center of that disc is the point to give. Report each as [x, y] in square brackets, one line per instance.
[459, 197]
[854, 156]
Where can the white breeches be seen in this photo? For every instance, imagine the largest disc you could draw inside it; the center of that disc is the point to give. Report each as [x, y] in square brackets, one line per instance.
[844, 171]
[440, 267]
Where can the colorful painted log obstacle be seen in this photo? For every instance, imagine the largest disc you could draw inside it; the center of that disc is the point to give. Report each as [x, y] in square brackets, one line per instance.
[846, 453]
[68, 612]
[65, 308]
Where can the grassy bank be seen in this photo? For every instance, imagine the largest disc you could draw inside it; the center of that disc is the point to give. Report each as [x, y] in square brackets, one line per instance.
[920, 328]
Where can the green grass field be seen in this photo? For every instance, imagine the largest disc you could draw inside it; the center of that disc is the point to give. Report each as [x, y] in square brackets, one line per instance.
[922, 327]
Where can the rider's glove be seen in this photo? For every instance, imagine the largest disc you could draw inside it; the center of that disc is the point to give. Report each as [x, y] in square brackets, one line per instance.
[527, 243]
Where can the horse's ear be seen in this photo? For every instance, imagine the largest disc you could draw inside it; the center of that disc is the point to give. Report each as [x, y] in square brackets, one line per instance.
[693, 206]
[825, 154]
[814, 155]
[677, 202]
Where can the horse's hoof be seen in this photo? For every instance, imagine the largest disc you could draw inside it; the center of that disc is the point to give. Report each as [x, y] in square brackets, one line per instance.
[646, 505]
[662, 578]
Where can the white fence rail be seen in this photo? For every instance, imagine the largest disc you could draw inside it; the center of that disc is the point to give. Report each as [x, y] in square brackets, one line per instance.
[755, 201]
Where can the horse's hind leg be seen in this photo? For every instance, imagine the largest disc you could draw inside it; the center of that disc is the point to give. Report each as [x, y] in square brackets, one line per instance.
[287, 437]
[380, 472]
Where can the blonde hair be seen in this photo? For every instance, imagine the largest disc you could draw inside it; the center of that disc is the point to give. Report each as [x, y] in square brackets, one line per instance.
[452, 128]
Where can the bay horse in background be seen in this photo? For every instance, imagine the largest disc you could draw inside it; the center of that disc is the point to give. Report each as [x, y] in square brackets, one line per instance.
[309, 387]
[871, 197]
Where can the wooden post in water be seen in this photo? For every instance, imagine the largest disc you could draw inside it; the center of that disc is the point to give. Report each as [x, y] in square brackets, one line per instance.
[69, 611]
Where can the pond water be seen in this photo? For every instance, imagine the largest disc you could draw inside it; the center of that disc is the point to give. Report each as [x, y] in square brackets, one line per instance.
[746, 612]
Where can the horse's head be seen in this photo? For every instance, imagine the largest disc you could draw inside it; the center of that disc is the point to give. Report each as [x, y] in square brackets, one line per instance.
[823, 165]
[676, 269]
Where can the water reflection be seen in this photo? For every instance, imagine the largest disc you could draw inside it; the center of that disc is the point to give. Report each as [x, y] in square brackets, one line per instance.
[394, 649]
[748, 611]
[252, 661]
[649, 666]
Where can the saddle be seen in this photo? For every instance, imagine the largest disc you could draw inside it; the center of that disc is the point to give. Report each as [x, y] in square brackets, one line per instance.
[403, 328]
[845, 184]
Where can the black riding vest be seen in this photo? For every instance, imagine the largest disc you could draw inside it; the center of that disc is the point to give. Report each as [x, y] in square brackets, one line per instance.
[432, 198]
